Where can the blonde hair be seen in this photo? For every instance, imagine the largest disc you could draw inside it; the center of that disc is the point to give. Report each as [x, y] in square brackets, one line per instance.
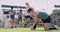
[7, 16]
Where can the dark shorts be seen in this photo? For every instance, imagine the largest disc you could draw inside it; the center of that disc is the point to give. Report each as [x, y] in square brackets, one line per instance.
[48, 20]
[28, 16]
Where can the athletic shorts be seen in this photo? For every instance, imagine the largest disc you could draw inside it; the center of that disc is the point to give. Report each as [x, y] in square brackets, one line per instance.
[12, 16]
[48, 20]
[28, 16]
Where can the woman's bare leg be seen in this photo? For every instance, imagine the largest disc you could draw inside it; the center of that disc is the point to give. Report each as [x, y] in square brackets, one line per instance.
[12, 23]
[46, 26]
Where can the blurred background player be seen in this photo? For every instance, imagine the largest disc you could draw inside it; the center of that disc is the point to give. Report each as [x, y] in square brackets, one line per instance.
[27, 15]
[12, 15]
[7, 23]
[20, 14]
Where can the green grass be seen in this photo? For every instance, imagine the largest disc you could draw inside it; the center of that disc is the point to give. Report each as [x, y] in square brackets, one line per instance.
[26, 30]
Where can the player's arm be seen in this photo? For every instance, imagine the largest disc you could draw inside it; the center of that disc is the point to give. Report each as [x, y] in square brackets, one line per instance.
[35, 19]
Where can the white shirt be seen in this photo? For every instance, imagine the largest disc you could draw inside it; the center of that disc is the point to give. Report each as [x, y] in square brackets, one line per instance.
[7, 23]
[26, 11]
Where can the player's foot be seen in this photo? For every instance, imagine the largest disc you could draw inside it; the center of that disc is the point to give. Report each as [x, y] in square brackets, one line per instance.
[52, 28]
[56, 26]
[32, 28]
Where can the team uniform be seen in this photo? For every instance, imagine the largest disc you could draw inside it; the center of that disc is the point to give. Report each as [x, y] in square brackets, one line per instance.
[28, 15]
[12, 14]
[45, 17]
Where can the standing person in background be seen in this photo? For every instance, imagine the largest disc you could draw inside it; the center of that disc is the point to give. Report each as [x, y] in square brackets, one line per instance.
[7, 23]
[12, 15]
[26, 14]
[20, 14]
[27, 7]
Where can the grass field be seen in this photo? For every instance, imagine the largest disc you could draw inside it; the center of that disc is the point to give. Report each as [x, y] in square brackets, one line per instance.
[26, 30]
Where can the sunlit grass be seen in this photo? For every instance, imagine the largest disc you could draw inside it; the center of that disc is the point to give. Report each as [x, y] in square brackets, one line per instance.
[26, 30]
